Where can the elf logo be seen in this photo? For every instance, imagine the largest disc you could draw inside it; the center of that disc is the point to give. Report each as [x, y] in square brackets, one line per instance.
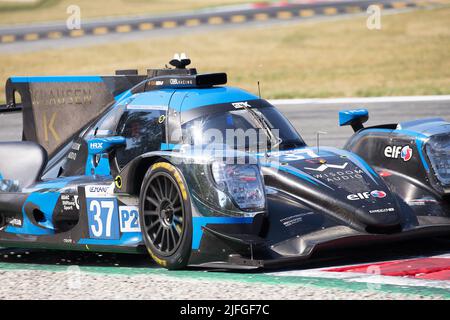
[366, 195]
[395, 152]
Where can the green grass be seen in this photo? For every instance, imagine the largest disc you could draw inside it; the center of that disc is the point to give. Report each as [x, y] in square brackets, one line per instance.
[7, 7]
[50, 10]
[341, 58]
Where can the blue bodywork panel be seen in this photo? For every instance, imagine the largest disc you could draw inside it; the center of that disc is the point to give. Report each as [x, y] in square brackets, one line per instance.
[347, 117]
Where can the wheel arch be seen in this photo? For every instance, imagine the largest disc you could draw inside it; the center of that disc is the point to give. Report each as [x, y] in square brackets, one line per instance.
[130, 178]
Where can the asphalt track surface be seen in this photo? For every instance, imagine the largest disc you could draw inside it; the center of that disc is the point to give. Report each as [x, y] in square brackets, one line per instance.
[37, 274]
[53, 35]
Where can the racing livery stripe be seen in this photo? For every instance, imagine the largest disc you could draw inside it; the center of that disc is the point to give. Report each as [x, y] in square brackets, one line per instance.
[127, 239]
[169, 146]
[199, 222]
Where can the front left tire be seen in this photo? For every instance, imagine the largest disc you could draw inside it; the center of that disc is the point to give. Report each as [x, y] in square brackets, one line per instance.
[165, 216]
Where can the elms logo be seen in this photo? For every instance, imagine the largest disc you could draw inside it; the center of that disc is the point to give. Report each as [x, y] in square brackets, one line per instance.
[395, 152]
[366, 195]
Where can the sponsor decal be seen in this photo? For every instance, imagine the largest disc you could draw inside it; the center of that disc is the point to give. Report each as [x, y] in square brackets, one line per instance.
[76, 146]
[384, 210]
[180, 81]
[340, 175]
[15, 222]
[72, 155]
[129, 219]
[378, 194]
[290, 221]
[366, 195]
[156, 83]
[96, 191]
[70, 203]
[422, 202]
[406, 153]
[396, 152]
[240, 105]
[74, 96]
[325, 166]
[96, 145]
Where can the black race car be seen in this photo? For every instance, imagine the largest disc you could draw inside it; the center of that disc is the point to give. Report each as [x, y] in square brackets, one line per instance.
[197, 173]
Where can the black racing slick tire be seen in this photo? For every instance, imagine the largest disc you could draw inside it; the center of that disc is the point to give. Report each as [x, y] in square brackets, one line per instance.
[165, 216]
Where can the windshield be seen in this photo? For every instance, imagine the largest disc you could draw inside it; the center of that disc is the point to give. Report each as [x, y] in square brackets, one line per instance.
[239, 128]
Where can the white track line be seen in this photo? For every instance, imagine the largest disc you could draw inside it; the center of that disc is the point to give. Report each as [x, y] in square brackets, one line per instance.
[360, 100]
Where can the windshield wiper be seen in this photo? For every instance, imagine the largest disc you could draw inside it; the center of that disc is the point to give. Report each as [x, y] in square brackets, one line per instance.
[274, 141]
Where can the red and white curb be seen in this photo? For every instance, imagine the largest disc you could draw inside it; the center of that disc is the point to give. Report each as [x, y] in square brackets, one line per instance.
[432, 272]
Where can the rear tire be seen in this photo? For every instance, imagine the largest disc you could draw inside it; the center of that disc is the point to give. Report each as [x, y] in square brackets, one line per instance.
[165, 216]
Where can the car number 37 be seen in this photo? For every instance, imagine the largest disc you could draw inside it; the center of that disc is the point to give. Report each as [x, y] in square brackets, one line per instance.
[105, 219]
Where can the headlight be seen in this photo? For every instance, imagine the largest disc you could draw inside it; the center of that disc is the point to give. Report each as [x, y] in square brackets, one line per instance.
[438, 151]
[242, 182]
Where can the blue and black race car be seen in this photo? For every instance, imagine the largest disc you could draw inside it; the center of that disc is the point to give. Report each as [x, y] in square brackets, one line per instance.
[193, 172]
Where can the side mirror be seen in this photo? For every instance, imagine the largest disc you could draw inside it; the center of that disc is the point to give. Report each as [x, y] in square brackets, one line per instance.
[354, 118]
[102, 145]
[98, 160]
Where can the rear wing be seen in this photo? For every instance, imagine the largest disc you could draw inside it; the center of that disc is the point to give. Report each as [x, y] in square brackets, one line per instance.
[55, 107]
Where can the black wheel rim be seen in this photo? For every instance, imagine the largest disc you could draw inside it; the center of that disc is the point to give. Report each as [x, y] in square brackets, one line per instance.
[163, 214]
